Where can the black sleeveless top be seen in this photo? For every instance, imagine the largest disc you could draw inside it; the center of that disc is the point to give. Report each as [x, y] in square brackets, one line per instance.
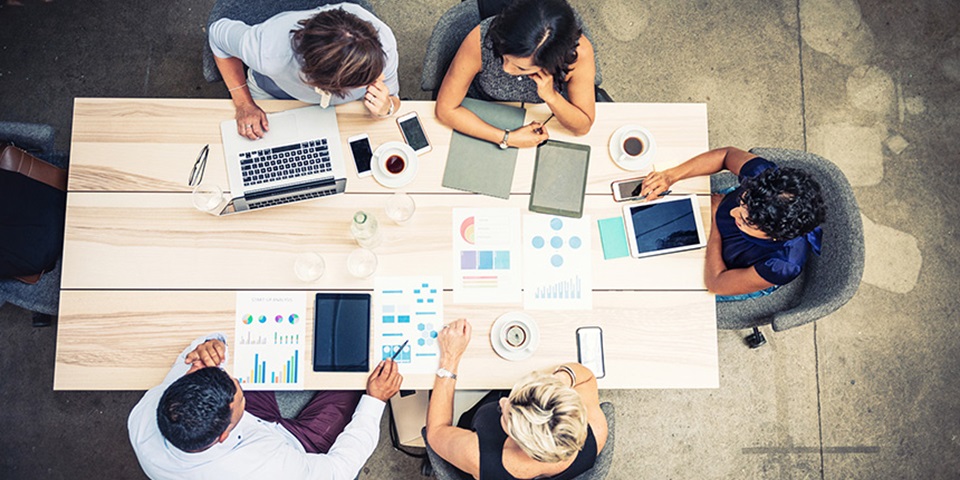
[492, 437]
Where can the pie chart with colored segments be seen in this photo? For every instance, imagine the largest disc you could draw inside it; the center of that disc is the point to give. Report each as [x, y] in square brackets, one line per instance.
[467, 231]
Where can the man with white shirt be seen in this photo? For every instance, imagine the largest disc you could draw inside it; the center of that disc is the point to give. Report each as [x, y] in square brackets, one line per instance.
[194, 425]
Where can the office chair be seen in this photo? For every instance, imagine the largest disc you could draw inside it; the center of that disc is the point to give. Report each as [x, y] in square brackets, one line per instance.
[453, 26]
[43, 297]
[443, 470]
[827, 281]
[253, 12]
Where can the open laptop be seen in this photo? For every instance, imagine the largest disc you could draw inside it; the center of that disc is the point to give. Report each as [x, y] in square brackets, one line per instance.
[300, 158]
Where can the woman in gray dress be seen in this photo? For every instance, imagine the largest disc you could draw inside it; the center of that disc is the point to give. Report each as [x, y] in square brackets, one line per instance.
[534, 51]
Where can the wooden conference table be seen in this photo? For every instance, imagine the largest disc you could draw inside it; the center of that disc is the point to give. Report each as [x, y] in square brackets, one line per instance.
[144, 273]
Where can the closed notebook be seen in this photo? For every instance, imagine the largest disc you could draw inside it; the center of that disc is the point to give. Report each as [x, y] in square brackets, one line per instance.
[475, 165]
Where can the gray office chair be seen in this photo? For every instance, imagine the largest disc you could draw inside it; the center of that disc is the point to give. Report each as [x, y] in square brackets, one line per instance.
[829, 280]
[43, 297]
[452, 27]
[443, 470]
[253, 12]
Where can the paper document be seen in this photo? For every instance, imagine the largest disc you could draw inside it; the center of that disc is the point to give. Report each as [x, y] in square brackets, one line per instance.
[556, 263]
[269, 341]
[408, 308]
[486, 255]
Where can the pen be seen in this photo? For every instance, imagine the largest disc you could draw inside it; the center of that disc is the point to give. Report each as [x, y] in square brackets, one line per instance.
[394, 357]
[540, 130]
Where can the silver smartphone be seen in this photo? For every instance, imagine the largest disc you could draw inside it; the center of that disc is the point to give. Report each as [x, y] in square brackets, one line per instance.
[362, 153]
[413, 133]
[590, 349]
[625, 190]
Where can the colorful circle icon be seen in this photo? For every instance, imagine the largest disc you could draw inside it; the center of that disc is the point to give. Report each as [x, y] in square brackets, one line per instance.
[262, 319]
[247, 320]
[279, 318]
[294, 318]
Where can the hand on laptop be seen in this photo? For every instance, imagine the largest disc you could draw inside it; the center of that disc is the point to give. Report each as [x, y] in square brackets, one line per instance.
[377, 99]
[251, 121]
[384, 382]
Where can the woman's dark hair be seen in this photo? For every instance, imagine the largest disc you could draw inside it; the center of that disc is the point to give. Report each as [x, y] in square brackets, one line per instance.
[784, 203]
[338, 51]
[195, 409]
[544, 30]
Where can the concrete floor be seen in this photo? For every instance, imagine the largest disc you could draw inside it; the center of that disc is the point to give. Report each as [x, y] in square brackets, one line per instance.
[870, 392]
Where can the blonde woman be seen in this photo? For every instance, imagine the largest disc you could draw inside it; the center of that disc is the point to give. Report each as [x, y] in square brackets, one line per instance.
[550, 425]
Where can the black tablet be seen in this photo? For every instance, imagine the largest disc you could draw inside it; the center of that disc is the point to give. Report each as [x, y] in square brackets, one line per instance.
[560, 178]
[341, 332]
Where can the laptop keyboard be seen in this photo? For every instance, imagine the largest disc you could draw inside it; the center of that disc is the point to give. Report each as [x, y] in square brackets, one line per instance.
[288, 161]
[293, 198]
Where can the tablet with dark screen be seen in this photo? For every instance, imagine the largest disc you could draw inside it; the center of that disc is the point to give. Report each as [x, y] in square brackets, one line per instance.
[341, 334]
[663, 226]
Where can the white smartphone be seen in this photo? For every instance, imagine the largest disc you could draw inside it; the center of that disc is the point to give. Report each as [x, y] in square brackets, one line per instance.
[413, 133]
[362, 153]
[590, 349]
[629, 189]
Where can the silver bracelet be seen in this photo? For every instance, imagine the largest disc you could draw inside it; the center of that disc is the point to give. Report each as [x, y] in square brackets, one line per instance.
[390, 111]
[569, 371]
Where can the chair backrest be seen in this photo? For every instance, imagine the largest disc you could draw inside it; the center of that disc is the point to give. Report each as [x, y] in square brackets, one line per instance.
[253, 12]
[452, 27]
[833, 277]
[443, 470]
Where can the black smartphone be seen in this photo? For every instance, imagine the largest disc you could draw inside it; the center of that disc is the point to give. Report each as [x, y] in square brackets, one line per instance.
[362, 153]
[341, 335]
[590, 349]
[629, 189]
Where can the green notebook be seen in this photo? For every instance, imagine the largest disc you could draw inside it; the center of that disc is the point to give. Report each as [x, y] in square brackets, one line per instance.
[479, 166]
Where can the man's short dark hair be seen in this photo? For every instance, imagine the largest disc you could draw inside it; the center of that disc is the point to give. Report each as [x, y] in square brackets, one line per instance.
[195, 409]
[339, 51]
[784, 203]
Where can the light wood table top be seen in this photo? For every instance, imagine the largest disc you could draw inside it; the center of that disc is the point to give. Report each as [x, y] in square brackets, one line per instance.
[144, 273]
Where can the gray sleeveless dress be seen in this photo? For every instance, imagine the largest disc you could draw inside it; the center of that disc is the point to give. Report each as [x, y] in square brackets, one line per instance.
[493, 84]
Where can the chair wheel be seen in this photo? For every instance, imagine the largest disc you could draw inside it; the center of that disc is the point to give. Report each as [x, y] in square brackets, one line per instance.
[755, 339]
[426, 468]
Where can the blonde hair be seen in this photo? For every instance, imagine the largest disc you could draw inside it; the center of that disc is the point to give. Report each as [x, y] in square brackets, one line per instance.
[546, 418]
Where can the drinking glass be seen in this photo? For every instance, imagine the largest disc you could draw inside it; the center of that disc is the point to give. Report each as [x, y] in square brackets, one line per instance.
[309, 266]
[208, 198]
[362, 262]
[400, 207]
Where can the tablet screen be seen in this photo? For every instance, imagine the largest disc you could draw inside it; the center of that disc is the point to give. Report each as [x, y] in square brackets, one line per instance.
[560, 178]
[664, 225]
[341, 335]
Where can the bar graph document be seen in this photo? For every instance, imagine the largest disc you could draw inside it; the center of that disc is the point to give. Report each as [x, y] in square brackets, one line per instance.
[486, 251]
[556, 263]
[269, 340]
[408, 310]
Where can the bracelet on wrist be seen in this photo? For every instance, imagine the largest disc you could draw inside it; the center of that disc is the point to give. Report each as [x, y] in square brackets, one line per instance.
[568, 371]
[390, 111]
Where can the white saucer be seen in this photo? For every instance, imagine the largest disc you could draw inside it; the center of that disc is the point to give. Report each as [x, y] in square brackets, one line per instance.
[510, 353]
[387, 179]
[644, 161]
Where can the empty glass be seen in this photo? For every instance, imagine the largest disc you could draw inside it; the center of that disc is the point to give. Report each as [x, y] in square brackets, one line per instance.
[362, 262]
[400, 207]
[208, 198]
[309, 266]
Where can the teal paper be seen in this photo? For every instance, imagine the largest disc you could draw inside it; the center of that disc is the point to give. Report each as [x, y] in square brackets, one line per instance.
[613, 237]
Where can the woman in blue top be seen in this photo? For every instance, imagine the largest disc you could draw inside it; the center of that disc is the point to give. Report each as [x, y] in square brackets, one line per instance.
[763, 230]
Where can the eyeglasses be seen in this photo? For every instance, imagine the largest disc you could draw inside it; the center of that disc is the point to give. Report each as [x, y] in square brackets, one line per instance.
[196, 175]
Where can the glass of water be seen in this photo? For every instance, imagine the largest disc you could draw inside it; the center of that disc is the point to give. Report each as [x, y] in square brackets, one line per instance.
[362, 262]
[400, 207]
[208, 198]
[309, 266]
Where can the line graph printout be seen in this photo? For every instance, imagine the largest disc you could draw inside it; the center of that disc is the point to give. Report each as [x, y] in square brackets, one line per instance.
[556, 263]
[408, 308]
[270, 339]
[486, 255]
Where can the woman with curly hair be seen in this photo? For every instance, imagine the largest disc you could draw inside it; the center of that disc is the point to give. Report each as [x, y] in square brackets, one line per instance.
[534, 51]
[762, 231]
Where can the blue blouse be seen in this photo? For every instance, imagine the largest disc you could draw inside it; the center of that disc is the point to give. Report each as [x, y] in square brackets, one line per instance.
[777, 262]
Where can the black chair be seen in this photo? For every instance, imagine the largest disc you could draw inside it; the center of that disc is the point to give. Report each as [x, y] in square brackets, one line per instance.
[829, 280]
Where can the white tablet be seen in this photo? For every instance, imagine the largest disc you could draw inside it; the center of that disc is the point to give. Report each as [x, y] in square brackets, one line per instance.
[663, 226]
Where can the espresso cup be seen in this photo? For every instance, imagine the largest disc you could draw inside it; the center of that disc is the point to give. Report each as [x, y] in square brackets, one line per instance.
[515, 336]
[395, 164]
[633, 145]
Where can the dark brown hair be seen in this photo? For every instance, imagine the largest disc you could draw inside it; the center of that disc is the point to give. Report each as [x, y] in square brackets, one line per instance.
[338, 51]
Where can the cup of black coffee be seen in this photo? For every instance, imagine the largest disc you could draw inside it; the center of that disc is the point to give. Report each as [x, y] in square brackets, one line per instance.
[395, 164]
[633, 146]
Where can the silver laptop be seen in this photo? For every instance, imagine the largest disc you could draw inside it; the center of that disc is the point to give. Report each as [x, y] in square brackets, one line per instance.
[298, 159]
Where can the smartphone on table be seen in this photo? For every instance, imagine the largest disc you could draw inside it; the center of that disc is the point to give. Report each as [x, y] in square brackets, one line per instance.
[413, 133]
[362, 153]
[590, 350]
[625, 190]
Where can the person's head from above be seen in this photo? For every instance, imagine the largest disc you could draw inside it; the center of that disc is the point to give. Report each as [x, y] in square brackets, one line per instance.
[530, 35]
[199, 409]
[779, 204]
[545, 417]
[338, 51]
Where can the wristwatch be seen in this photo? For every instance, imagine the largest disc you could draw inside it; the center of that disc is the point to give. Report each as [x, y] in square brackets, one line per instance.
[503, 143]
[444, 373]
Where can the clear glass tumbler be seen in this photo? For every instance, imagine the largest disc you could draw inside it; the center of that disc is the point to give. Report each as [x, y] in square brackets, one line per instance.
[400, 207]
[309, 266]
[362, 262]
[208, 198]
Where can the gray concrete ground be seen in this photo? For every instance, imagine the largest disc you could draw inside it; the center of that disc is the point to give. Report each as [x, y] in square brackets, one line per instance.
[869, 392]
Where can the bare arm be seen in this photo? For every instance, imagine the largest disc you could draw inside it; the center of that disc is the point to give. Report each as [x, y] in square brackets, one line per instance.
[465, 66]
[708, 163]
[579, 112]
[248, 113]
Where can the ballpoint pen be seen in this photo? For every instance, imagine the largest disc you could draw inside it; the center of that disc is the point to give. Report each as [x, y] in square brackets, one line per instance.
[540, 130]
[196, 175]
[395, 354]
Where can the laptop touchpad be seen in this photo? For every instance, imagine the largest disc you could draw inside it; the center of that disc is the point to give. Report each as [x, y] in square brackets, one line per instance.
[282, 125]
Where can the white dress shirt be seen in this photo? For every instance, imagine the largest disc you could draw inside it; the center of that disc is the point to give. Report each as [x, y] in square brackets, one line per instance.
[266, 49]
[255, 449]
